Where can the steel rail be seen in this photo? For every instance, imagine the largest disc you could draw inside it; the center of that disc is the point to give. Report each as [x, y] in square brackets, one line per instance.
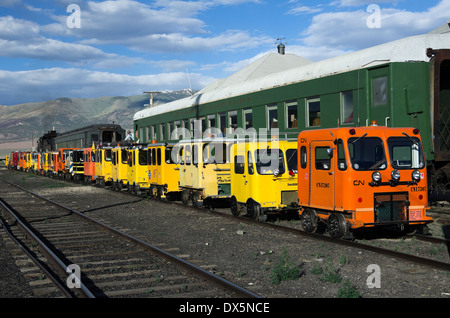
[344, 242]
[239, 291]
[48, 252]
[408, 257]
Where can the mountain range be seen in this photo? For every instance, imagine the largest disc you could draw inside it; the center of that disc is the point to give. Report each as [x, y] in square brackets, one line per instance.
[29, 121]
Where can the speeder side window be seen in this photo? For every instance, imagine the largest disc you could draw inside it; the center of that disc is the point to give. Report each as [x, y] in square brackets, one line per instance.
[342, 163]
[367, 153]
[291, 158]
[143, 154]
[239, 165]
[303, 157]
[323, 160]
[269, 161]
[170, 154]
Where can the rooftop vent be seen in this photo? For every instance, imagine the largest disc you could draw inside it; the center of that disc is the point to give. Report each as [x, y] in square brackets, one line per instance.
[281, 47]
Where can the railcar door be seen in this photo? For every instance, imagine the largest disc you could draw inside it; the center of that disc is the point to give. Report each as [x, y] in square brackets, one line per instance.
[239, 182]
[379, 97]
[323, 155]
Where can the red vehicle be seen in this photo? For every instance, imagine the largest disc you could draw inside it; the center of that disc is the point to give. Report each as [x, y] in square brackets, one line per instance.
[89, 165]
[14, 160]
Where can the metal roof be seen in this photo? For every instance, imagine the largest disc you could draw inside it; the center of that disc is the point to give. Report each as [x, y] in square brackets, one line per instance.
[275, 69]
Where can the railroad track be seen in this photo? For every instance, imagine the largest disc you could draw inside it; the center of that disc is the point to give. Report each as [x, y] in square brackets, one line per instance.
[77, 251]
[213, 216]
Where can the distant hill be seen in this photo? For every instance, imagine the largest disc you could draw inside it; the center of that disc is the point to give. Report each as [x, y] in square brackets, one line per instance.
[31, 120]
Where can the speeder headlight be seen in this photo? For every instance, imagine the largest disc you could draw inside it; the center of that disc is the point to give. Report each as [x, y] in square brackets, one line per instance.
[415, 175]
[376, 176]
[395, 174]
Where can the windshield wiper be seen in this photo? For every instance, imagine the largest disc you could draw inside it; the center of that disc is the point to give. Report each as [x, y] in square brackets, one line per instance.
[411, 139]
[353, 141]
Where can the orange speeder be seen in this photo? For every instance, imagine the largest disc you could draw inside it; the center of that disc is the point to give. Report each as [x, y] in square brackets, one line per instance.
[353, 178]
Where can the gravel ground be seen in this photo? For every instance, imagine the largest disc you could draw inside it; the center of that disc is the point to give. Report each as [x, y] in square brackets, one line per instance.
[248, 255]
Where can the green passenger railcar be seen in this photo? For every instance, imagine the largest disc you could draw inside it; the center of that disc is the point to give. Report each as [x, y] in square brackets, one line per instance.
[405, 83]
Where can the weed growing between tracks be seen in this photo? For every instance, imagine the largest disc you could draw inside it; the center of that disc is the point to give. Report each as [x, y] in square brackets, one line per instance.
[284, 270]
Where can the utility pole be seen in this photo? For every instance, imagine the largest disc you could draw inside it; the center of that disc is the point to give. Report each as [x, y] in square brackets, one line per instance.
[151, 97]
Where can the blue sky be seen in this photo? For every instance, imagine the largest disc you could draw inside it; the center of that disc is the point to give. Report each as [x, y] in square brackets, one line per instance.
[125, 47]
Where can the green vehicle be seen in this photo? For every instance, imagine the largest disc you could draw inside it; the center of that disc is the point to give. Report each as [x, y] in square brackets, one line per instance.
[404, 83]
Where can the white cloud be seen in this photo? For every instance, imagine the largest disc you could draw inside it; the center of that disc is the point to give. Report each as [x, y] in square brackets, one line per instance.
[304, 10]
[348, 30]
[165, 26]
[79, 83]
[358, 3]
[22, 38]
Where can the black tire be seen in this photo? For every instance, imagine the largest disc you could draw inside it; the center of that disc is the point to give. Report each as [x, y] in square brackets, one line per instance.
[185, 197]
[309, 220]
[337, 225]
[235, 210]
[253, 209]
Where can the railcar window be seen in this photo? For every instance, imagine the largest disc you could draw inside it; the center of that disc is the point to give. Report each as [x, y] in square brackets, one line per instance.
[162, 132]
[272, 116]
[313, 112]
[269, 161]
[77, 156]
[347, 107]
[251, 169]
[239, 164]
[215, 152]
[185, 123]
[188, 155]
[168, 155]
[171, 130]
[203, 123]
[291, 159]
[211, 121]
[248, 118]
[367, 153]
[379, 91]
[177, 132]
[158, 156]
[153, 133]
[291, 114]
[222, 123]
[153, 156]
[232, 120]
[124, 156]
[405, 153]
[149, 156]
[130, 159]
[180, 157]
[323, 160]
[194, 154]
[303, 157]
[143, 157]
[108, 155]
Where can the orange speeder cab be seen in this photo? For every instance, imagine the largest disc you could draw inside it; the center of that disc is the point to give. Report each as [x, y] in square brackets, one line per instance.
[352, 178]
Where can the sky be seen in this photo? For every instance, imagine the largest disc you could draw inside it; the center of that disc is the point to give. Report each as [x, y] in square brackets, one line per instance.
[83, 49]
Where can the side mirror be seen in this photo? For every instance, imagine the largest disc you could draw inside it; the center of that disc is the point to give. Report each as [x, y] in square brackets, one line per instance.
[330, 152]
